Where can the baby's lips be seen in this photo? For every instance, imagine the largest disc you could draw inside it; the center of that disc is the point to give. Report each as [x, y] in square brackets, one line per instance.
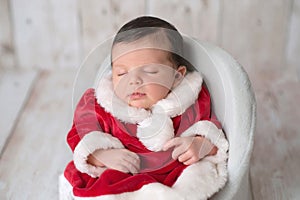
[137, 95]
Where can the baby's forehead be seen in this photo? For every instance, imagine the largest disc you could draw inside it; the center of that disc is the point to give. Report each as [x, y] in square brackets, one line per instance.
[143, 57]
[147, 42]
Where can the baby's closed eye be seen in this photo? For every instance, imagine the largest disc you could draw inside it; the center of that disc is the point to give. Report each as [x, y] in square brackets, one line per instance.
[152, 69]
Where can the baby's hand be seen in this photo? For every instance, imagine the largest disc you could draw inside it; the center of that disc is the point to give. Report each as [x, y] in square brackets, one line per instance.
[189, 150]
[119, 159]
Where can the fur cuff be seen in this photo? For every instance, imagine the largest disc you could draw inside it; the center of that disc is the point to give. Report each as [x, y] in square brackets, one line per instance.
[209, 175]
[216, 136]
[201, 180]
[90, 143]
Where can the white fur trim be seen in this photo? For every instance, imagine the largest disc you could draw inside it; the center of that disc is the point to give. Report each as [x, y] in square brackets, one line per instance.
[209, 175]
[181, 97]
[211, 132]
[65, 189]
[201, 180]
[87, 145]
[155, 131]
[154, 127]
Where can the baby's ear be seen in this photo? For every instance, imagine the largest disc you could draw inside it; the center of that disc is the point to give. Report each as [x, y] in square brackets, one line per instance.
[180, 73]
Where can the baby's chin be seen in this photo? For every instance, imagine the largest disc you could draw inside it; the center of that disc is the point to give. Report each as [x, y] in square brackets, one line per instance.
[139, 105]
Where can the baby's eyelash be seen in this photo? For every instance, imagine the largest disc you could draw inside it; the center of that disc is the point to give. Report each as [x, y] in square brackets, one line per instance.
[151, 72]
[121, 74]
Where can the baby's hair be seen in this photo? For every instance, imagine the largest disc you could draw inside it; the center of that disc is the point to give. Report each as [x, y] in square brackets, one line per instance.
[145, 26]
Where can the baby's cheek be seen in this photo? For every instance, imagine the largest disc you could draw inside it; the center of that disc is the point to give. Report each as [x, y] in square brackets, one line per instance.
[160, 80]
[158, 92]
[120, 86]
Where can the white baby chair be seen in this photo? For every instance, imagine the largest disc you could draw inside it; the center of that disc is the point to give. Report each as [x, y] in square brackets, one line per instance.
[234, 104]
[232, 100]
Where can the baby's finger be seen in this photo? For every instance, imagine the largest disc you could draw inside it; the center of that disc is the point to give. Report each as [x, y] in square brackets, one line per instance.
[184, 157]
[192, 160]
[171, 143]
[133, 155]
[134, 158]
[178, 151]
[132, 162]
[121, 168]
[132, 168]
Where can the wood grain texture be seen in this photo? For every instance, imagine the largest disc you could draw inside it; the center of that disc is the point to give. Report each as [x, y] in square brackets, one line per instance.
[199, 19]
[293, 42]
[46, 33]
[37, 151]
[275, 161]
[7, 55]
[101, 19]
[254, 32]
[15, 88]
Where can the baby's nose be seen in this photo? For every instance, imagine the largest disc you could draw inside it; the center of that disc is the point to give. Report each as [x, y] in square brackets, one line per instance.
[135, 79]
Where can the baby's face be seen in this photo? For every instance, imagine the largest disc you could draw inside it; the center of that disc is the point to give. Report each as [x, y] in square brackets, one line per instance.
[143, 77]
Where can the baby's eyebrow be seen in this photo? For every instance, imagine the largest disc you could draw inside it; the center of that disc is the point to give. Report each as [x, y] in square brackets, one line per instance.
[119, 66]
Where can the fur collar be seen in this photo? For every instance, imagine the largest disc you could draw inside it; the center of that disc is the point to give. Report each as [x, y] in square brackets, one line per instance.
[154, 126]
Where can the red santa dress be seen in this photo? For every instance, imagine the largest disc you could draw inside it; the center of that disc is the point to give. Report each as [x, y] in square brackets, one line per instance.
[103, 121]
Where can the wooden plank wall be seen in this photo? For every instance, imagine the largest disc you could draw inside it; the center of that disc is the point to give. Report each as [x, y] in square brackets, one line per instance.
[101, 20]
[54, 35]
[293, 43]
[7, 54]
[199, 19]
[46, 33]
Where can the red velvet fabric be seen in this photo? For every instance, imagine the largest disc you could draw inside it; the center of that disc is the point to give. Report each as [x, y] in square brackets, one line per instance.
[156, 166]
